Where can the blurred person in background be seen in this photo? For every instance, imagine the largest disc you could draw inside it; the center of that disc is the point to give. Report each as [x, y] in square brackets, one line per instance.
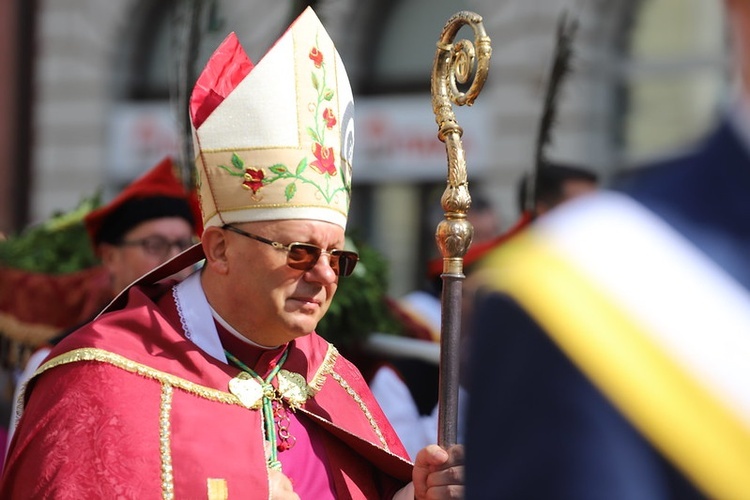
[405, 385]
[610, 358]
[555, 184]
[407, 388]
[484, 219]
[150, 221]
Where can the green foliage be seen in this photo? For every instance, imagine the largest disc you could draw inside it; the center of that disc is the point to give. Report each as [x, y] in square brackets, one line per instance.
[58, 245]
[359, 308]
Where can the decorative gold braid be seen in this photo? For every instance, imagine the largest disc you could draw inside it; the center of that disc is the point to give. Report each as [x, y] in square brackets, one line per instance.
[325, 368]
[165, 450]
[100, 355]
[343, 383]
[20, 403]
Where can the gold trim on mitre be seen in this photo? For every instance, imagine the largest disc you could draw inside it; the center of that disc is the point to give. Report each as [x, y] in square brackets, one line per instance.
[280, 144]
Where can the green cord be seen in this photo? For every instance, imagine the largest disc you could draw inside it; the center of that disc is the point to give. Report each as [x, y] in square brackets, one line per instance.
[269, 394]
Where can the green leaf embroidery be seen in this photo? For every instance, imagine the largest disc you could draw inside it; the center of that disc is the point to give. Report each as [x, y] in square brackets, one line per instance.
[328, 94]
[238, 166]
[290, 191]
[313, 134]
[315, 82]
[301, 166]
[237, 162]
[233, 173]
[278, 169]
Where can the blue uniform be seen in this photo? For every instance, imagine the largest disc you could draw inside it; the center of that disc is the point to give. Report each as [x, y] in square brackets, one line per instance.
[537, 426]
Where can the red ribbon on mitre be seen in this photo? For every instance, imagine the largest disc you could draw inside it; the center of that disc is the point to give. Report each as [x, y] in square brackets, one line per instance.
[226, 68]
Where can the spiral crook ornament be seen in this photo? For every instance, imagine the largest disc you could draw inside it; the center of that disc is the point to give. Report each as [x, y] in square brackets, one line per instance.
[460, 63]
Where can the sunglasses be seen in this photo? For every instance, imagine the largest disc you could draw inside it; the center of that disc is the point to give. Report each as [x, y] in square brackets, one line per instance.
[304, 256]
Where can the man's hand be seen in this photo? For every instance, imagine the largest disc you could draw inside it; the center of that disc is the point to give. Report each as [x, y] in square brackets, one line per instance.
[281, 486]
[439, 473]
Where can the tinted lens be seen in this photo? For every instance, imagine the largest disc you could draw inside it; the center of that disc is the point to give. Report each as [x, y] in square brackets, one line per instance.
[343, 262]
[302, 257]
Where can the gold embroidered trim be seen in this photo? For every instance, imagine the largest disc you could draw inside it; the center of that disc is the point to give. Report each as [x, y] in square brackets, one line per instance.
[343, 383]
[100, 355]
[165, 449]
[20, 406]
[325, 368]
[217, 488]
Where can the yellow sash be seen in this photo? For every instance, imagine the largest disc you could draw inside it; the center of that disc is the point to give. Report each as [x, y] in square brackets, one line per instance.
[700, 432]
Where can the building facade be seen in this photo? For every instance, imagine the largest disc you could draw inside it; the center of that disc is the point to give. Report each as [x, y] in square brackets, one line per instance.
[98, 95]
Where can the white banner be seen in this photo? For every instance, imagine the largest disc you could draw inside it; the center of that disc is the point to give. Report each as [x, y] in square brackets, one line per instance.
[396, 139]
[141, 135]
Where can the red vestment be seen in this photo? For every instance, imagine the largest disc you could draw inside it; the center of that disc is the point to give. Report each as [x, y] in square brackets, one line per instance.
[128, 407]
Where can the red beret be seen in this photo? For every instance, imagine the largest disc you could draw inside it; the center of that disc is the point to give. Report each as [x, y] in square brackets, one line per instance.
[159, 182]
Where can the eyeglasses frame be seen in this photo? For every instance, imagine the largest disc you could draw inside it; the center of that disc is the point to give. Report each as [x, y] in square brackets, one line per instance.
[141, 242]
[288, 248]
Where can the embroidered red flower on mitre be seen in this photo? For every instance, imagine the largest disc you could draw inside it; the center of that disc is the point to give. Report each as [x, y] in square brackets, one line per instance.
[316, 56]
[324, 161]
[329, 117]
[253, 179]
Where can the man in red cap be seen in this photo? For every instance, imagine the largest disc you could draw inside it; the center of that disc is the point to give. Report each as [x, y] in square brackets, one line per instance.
[150, 221]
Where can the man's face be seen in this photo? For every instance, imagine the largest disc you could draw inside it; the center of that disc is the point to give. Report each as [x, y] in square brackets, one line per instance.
[268, 301]
[485, 223]
[570, 189]
[573, 188]
[145, 247]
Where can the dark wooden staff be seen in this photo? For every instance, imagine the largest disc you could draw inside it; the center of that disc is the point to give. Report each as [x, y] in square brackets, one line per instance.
[455, 64]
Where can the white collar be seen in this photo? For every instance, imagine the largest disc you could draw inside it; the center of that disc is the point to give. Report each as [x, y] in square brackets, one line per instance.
[196, 317]
[236, 333]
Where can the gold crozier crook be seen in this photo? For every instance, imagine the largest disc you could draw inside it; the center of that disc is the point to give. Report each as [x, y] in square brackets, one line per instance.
[454, 64]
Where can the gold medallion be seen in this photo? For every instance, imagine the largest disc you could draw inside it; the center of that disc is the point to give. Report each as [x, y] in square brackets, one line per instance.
[248, 390]
[293, 388]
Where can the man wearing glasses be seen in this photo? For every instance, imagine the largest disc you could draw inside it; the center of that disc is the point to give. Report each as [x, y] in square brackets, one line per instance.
[151, 220]
[218, 387]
